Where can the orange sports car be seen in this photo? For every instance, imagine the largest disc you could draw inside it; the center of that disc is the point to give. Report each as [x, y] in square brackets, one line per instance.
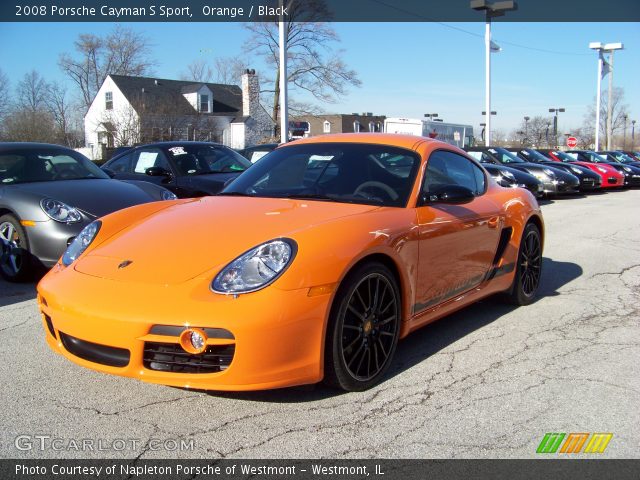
[310, 265]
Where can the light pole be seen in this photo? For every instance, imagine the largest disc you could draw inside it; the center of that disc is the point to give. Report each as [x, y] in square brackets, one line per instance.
[555, 123]
[633, 135]
[483, 125]
[602, 49]
[491, 10]
[526, 127]
[487, 126]
[431, 116]
[624, 134]
[283, 28]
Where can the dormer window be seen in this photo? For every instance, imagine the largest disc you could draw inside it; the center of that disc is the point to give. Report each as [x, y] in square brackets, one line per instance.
[108, 100]
[204, 103]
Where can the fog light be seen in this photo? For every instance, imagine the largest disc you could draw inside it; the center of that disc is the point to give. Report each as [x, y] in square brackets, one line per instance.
[193, 340]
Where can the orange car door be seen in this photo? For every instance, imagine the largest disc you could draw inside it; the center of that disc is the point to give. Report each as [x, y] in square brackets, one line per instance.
[457, 242]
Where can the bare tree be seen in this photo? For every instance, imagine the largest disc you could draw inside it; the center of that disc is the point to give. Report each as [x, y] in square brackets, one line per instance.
[5, 102]
[197, 71]
[618, 111]
[228, 70]
[122, 52]
[32, 92]
[313, 64]
[28, 126]
[65, 115]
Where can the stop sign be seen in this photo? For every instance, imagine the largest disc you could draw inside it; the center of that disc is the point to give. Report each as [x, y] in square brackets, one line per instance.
[572, 142]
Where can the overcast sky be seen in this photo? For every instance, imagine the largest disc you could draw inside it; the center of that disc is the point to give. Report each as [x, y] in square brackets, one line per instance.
[407, 69]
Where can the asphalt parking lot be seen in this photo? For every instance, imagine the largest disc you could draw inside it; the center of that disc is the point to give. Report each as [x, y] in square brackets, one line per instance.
[487, 382]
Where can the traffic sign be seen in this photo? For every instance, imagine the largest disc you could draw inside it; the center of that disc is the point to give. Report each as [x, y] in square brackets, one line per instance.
[572, 142]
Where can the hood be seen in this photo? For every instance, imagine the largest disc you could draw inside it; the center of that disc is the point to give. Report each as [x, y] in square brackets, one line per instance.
[96, 197]
[211, 183]
[192, 237]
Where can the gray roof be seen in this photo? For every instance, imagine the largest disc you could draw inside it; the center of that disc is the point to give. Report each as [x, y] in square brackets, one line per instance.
[161, 96]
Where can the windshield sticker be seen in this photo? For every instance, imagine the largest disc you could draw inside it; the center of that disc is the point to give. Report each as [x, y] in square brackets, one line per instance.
[178, 151]
[146, 160]
[321, 158]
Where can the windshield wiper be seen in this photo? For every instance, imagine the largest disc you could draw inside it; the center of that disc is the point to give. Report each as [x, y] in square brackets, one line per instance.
[308, 196]
[233, 194]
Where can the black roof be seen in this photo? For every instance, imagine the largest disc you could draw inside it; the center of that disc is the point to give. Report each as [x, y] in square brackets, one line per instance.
[157, 94]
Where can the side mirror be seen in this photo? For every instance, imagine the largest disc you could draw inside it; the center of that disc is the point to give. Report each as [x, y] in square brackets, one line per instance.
[449, 194]
[109, 172]
[157, 172]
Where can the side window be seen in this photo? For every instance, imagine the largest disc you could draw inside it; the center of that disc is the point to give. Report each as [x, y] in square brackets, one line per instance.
[148, 158]
[448, 168]
[121, 165]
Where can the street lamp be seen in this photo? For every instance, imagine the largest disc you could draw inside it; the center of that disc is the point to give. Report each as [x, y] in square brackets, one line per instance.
[491, 10]
[624, 134]
[602, 49]
[633, 135]
[431, 116]
[526, 127]
[483, 125]
[555, 122]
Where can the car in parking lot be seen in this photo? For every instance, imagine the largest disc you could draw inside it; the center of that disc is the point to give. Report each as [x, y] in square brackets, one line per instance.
[611, 178]
[589, 181]
[620, 157]
[554, 181]
[510, 177]
[631, 173]
[256, 152]
[48, 194]
[188, 169]
[310, 265]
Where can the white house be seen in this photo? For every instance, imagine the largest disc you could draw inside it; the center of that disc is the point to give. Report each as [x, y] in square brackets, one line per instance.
[129, 110]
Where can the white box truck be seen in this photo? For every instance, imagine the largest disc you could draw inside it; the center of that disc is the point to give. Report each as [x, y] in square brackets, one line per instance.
[453, 133]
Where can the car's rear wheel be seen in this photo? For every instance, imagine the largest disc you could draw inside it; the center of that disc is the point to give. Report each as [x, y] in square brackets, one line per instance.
[363, 329]
[528, 269]
[15, 259]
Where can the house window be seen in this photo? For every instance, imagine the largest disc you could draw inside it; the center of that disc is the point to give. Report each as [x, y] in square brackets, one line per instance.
[372, 127]
[108, 100]
[204, 103]
[356, 126]
[326, 127]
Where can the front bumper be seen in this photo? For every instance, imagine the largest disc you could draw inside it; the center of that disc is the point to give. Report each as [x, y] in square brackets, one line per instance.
[267, 339]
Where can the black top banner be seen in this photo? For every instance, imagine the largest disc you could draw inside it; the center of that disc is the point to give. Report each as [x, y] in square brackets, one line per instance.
[319, 10]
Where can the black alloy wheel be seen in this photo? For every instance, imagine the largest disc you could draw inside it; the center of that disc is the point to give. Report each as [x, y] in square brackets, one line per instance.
[528, 269]
[364, 328]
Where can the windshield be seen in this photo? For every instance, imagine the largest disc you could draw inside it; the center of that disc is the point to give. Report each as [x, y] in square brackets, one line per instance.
[505, 156]
[340, 172]
[46, 165]
[594, 157]
[534, 156]
[565, 157]
[622, 157]
[203, 159]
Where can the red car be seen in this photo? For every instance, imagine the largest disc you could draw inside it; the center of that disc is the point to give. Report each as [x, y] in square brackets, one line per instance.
[611, 178]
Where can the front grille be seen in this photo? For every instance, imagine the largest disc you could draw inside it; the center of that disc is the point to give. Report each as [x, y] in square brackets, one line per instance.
[170, 357]
[93, 352]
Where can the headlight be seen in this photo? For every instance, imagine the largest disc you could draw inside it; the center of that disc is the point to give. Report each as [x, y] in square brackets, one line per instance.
[508, 175]
[256, 268]
[627, 169]
[576, 170]
[59, 211]
[602, 170]
[540, 175]
[548, 172]
[81, 242]
[167, 195]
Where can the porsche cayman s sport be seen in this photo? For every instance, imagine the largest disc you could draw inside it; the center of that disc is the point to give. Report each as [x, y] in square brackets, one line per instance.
[309, 266]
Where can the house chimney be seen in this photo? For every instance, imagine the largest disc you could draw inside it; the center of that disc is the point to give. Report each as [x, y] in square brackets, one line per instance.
[250, 93]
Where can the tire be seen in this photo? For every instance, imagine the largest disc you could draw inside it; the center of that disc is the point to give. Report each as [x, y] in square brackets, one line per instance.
[363, 329]
[528, 268]
[15, 258]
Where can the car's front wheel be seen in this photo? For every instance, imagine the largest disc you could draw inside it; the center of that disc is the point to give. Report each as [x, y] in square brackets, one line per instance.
[363, 328]
[528, 269]
[15, 259]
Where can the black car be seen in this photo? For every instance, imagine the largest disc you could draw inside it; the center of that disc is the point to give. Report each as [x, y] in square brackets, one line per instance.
[511, 177]
[48, 195]
[553, 180]
[255, 153]
[188, 169]
[631, 173]
[620, 157]
[589, 181]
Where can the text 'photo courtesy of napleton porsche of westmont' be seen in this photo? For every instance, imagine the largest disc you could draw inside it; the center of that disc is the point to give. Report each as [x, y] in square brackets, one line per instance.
[314, 238]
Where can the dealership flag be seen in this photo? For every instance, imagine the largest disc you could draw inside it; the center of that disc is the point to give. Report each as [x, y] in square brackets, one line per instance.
[606, 66]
